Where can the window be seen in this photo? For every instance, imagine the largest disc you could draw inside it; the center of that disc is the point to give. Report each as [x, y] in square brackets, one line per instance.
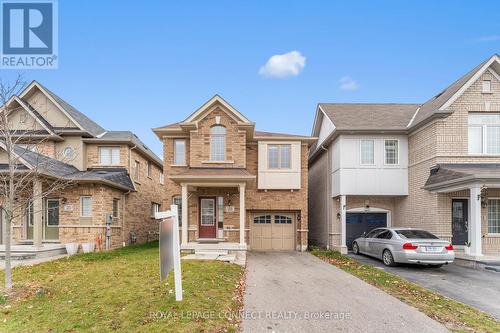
[162, 179]
[155, 208]
[178, 201]
[220, 209]
[262, 219]
[149, 169]
[366, 148]
[486, 86]
[86, 206]
[29, 212]
[281, 219]
[116, 208]
[179, 152]
[137, 170]
[416, 234]
[385, 235]
[69, 153]
[218, 143]
[391, 151]
[373, 233]
[109, 155]
[494, 216]
[484, 133]
[278, 156]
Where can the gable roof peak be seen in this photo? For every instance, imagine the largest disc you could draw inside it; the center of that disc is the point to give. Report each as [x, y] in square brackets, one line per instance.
[208, 104]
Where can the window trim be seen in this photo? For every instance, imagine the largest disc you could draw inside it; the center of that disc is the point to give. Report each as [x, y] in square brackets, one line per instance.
[137, 170]
[361, 152]
[154, 205]
[117, 208]
[488, 218]
[212, 135]
[81, 206]
[489, 91]
[149, 169]
[161, 178]
[175, 152]
[385, 153]
[110, 155]
[279, 145]
[484, 134]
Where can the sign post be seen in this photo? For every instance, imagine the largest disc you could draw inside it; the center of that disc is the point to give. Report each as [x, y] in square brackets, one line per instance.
[170, 256]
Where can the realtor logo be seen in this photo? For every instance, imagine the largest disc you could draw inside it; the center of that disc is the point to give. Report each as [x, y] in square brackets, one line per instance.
[28, 34]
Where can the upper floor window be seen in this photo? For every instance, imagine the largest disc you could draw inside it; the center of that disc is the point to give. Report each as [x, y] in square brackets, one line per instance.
[484, 133]
[391, 148]
[218, 143]
[162, 178]
[137, 170]
[180, 152]
[486, 86]
[278, 156]
[109, 155]
[366, 148]
[155, 208]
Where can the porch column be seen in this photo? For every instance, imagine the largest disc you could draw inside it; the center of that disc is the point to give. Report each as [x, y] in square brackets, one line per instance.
[37, 213]
[242, 214]
[474, 224]
[343, 228]
[185, 213]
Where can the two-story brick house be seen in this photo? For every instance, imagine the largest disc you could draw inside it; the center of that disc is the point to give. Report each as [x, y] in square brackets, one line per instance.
[434, 165]
[233, 184]
[107, 172]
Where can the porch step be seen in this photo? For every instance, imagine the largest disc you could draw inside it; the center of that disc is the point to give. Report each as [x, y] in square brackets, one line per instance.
[218, 252]
[26, 252]
[19, 256]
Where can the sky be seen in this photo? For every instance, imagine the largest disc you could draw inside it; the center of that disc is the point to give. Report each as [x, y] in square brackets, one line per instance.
[136, 65]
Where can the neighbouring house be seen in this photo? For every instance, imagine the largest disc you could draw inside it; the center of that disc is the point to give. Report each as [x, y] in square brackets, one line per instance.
[434, 165]
[235, 185]
[107, 172]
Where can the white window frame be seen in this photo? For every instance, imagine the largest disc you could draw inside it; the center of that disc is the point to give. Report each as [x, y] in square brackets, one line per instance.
[214, 155]
[150, 169]
[397, 152]
[280, 166]
[361, 151]
[117, 208]
[81, 205]
[175, 152]
[486, 84]
[155, 208]
[488, 216]
[484, 137]
[137, 170]
[110, 148]
[162, 178]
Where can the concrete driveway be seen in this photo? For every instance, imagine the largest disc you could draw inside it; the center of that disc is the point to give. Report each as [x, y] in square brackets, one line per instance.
[480, 289]
[297, 292]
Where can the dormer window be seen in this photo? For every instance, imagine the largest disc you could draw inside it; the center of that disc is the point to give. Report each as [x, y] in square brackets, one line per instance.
[486, 86]
[218, 143]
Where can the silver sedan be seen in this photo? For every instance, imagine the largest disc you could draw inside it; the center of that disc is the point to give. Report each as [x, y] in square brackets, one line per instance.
[405, 245]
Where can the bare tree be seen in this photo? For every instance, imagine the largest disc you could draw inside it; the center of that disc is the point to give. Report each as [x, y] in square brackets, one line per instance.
[26, 176]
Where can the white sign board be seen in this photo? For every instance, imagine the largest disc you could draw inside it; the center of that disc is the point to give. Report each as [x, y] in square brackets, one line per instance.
[170, 254]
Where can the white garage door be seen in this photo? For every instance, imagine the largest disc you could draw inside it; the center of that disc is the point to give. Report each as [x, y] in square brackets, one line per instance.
[272, 231]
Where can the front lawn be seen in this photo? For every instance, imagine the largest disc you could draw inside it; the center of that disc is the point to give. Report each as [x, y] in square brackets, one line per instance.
[120, 291]
[455, 316]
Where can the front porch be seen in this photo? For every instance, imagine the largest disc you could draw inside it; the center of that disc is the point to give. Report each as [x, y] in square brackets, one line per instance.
[468, 202]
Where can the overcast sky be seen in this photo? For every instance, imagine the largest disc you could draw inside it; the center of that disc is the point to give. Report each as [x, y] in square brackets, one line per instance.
[134, 65]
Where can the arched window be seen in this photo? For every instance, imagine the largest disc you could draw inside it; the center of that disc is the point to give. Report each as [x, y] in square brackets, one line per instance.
[218, 143]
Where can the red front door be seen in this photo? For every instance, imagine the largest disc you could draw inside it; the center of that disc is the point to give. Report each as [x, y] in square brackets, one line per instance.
[208, 226]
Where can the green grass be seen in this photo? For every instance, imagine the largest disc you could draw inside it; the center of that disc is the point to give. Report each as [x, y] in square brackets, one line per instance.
[455, 316]
[120, 291]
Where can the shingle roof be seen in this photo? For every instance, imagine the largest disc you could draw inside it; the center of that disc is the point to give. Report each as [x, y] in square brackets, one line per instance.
[88, 124]
[216, 172]
[361, 116]
[274, 134]
[54, 168]
[432, 105]
[448, 174]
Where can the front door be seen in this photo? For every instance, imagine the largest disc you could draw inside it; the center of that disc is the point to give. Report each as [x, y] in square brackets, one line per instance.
[459, 221]
[52, 220]
[208, 228]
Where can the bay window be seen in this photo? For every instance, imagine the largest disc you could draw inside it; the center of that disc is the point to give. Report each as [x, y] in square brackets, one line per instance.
[484, 134]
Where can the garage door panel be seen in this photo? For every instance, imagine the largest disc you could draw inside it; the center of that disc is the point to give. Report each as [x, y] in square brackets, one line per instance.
[359, 223]
[273, 231]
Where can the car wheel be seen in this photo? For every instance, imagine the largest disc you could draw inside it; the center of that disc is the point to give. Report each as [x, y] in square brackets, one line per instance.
[388, 259]
[355, 248]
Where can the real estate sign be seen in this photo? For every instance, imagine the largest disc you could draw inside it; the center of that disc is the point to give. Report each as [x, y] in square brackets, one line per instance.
[170, 257]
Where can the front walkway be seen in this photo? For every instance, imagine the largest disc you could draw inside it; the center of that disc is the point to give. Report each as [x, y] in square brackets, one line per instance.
[297, 292]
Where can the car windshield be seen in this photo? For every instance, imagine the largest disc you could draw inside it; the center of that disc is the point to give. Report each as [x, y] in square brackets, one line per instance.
[416, 234]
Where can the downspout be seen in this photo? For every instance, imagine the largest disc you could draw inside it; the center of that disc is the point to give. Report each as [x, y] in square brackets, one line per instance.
[328, 213]
[125, 195]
